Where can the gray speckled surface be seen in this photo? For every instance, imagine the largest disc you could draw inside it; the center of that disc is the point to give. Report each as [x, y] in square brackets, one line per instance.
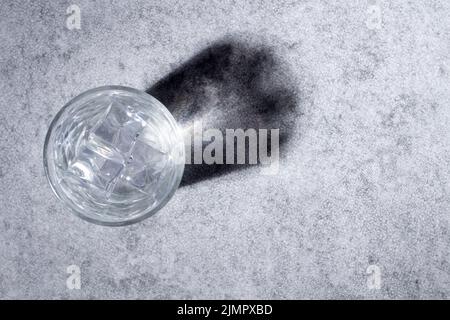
[364, 176]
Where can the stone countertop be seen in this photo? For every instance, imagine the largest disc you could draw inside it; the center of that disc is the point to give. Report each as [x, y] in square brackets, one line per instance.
[359, 91]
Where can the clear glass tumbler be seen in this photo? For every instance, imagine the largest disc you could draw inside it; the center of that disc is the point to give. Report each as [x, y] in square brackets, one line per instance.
[114, 155]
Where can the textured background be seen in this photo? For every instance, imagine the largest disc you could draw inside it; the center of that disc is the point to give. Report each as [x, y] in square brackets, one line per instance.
[364, 175]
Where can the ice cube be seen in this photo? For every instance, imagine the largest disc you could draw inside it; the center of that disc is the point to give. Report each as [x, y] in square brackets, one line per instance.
[110, 169]
[119, 113]
[119, 128]
[86, 163]
[127, 135]
[144, 155]
[106, 129]
[144, 165]
[125, 188]
[95, 166]
[141, 179]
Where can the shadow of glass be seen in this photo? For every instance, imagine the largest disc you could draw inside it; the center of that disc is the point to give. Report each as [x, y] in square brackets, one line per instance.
[230, 85]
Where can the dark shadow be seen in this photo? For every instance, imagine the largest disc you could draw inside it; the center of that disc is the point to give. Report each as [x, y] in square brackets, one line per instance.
[230, 85]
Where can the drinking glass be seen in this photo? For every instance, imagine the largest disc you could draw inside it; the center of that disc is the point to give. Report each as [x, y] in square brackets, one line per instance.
[114, 155]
